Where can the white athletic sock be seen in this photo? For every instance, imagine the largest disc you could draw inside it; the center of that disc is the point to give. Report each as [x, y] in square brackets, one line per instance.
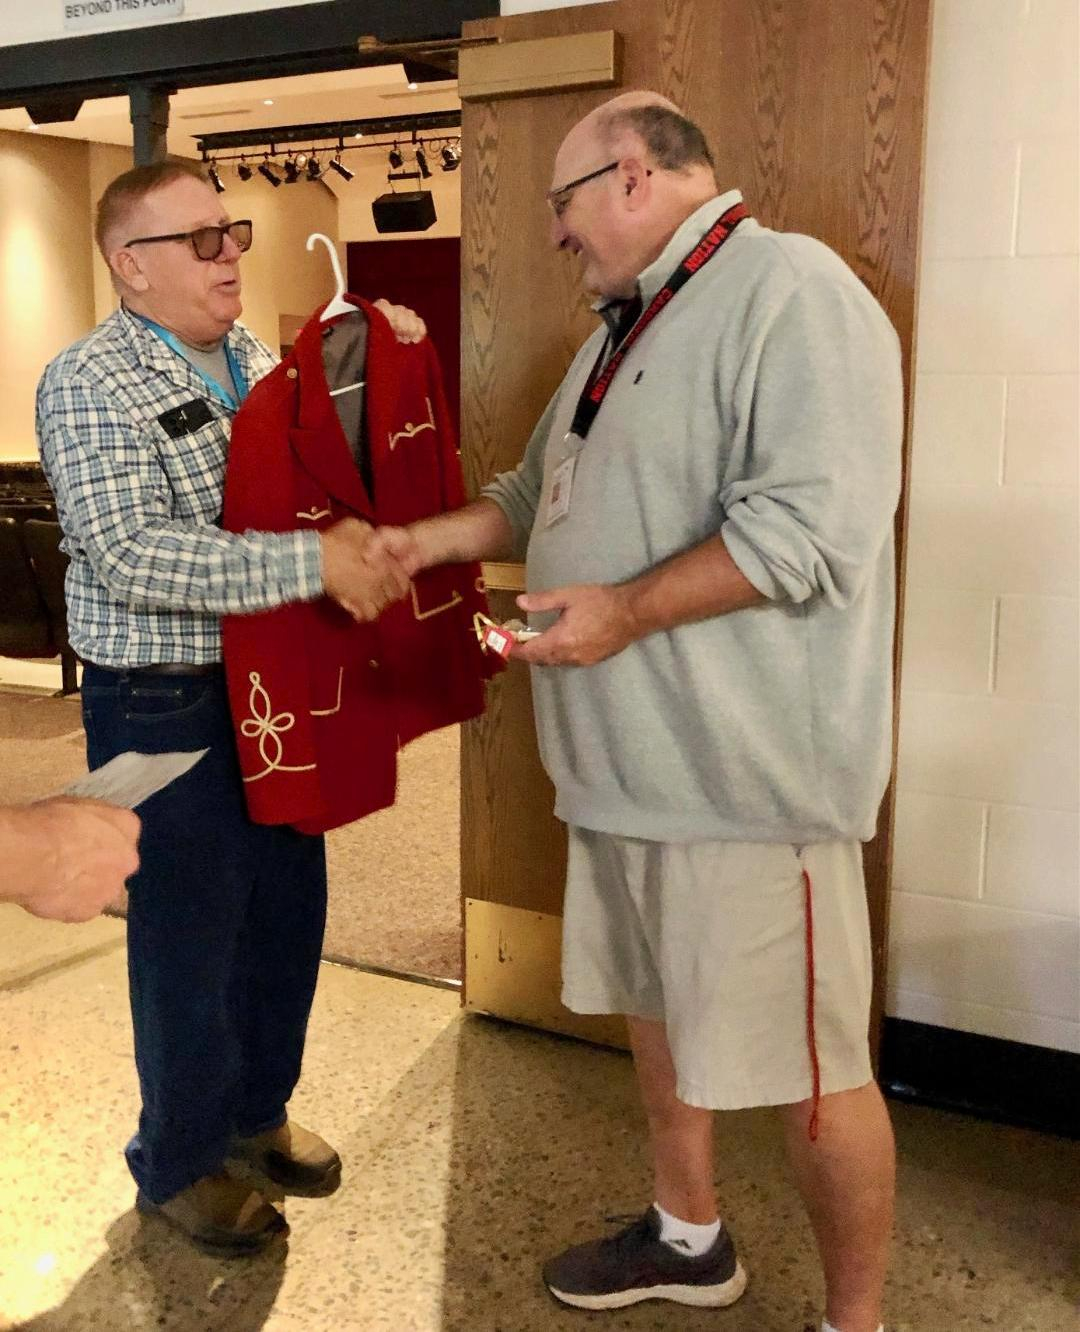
[686, 1237]
[826, 1326]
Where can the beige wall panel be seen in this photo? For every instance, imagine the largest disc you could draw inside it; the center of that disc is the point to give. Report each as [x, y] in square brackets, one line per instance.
[46, 279]
[280, 277]
[107, 161]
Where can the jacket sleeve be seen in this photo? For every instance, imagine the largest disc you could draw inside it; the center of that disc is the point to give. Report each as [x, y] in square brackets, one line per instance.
[451, 483]
[817, 479]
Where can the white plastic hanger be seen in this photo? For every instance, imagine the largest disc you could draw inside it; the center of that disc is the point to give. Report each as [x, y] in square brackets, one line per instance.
[338, 305]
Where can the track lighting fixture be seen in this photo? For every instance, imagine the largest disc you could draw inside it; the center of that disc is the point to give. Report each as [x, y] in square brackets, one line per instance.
[412, 157]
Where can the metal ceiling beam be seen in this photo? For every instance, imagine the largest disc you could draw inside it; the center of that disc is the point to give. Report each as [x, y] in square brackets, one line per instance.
[299, 39]
[329, 129]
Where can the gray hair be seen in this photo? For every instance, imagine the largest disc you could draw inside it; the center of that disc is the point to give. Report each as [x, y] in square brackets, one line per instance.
[674, 142]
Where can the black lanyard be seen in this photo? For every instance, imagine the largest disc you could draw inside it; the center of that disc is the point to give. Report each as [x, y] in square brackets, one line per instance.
[596, 389]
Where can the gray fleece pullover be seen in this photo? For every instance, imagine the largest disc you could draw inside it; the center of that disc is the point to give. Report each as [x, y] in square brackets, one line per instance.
[764, 403]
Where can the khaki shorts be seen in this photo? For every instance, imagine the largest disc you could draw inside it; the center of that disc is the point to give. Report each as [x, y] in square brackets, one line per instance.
[710, 938]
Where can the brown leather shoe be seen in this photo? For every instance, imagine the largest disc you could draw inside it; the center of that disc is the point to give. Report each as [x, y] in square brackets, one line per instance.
[222, 1216]
[294, 1158]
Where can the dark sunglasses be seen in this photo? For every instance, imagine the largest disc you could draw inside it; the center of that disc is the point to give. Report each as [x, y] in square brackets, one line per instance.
[207, 242]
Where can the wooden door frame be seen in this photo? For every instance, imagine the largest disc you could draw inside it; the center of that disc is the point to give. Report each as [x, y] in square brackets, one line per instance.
[878, 125]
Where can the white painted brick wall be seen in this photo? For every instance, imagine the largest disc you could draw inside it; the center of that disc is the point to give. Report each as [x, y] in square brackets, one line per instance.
[986, 897]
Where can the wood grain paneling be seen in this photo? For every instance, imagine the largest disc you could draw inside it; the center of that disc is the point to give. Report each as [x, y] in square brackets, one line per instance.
[814, 108]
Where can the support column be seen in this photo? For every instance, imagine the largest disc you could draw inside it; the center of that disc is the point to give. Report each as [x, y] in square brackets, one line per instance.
[150, 121]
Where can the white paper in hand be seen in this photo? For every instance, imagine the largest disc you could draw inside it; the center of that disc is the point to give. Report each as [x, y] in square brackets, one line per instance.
[129, 779]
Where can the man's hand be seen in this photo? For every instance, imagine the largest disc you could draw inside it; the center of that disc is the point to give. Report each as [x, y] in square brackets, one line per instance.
[68, 859]
[406, 323]
[359, 570]
[405, 546]
[597, 621]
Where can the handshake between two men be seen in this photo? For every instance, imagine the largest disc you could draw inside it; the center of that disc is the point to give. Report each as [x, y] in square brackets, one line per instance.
[366, 569]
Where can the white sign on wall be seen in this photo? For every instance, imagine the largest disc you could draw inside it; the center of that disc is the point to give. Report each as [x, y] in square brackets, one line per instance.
[82, 15]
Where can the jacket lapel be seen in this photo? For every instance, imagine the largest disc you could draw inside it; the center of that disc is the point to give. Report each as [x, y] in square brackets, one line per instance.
[317, 439]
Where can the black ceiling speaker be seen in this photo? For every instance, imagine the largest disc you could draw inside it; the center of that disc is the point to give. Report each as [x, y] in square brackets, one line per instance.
[410, 210]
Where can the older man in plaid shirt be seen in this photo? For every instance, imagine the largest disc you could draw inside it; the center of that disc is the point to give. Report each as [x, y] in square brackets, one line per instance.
[225, 920]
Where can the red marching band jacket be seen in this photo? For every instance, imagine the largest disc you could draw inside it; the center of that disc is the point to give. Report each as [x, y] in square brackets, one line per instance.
[321, 704]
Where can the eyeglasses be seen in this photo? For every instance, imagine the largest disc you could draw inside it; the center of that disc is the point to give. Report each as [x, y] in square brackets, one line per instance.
[560, 199]
[207, 242]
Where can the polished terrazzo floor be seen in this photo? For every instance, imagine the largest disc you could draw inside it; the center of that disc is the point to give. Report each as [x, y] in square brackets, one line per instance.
[472, 1151]
[395, 885]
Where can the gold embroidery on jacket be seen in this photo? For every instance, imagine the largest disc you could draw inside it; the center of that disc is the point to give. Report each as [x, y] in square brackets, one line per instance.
[411, 430]
[268, 729]
[315, 514]
[329, 712]
[455, 600]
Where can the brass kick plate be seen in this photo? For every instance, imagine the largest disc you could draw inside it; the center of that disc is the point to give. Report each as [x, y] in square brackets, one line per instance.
[512, 966]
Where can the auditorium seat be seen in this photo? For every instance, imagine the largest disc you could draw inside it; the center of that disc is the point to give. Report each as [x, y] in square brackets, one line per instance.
[42, 540]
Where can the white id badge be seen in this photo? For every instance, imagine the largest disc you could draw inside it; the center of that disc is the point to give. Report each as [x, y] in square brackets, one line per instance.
[562, 481]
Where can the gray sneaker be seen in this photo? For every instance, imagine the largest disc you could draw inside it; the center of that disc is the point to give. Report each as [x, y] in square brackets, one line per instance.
[637, 1265]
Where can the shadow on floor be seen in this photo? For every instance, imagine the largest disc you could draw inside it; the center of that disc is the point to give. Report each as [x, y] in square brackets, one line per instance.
[148, 1279]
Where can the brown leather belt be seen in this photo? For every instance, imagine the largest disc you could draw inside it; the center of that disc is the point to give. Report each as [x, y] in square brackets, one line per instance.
[166, 668]
[179, 668]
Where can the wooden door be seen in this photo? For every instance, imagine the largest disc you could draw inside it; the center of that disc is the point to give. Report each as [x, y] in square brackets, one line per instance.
[814, 108]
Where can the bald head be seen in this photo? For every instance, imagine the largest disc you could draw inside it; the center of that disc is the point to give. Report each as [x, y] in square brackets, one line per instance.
[653, 169]
[635, 122]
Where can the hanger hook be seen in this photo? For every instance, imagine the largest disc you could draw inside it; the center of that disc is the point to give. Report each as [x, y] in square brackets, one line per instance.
[335, 262]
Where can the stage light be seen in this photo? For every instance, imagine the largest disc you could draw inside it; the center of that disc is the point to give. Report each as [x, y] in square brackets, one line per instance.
[244, 171]
[421, 162]
[292, 172]
[451, 157]
[267, 172]
[395, 158]
[314, 168]
[336, 164]
[215, 179]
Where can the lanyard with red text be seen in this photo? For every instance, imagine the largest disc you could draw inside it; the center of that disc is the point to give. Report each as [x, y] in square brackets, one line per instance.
[596, 389]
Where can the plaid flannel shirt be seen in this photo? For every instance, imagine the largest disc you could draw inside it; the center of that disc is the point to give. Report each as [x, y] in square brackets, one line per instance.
[151, 572]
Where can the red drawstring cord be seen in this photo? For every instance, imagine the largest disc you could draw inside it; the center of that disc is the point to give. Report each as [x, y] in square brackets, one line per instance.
[810, 1036]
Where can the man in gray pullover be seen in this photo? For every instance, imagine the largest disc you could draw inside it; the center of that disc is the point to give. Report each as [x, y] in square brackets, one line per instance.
[707, 506]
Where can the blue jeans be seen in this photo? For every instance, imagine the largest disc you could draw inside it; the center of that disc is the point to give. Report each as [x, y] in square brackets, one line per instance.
[225, 928]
